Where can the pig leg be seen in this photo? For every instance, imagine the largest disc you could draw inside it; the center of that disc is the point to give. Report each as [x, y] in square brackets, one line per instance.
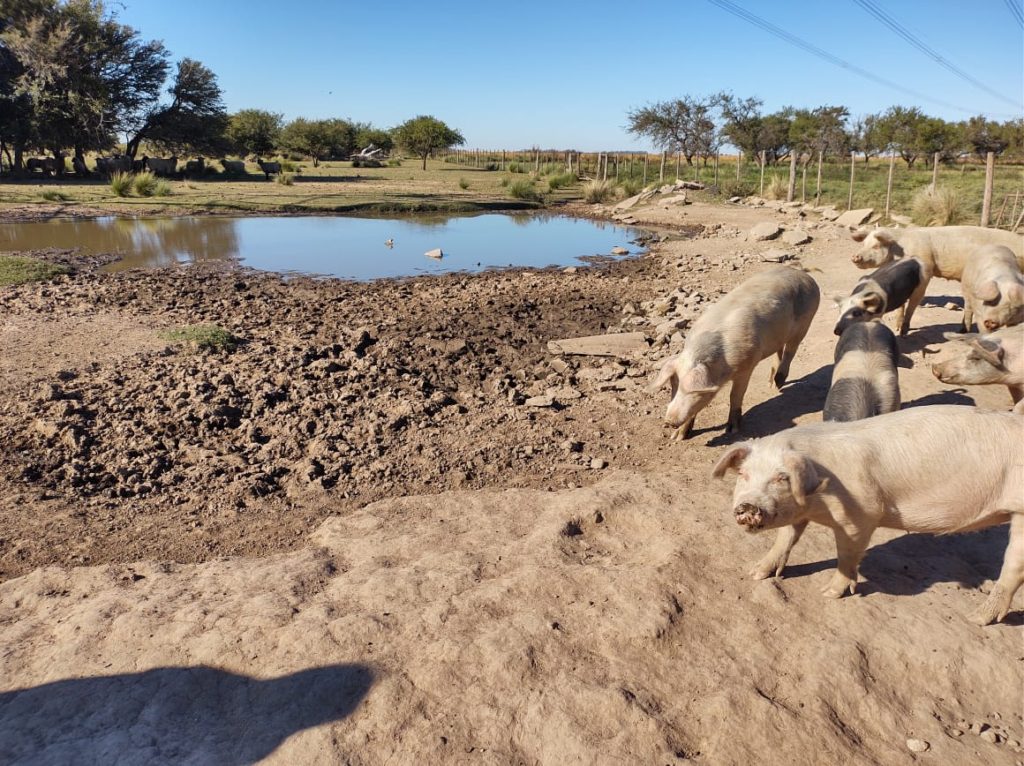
[968, 313]
[789, 351]
[912, 303]
[851, 542]
[739, 389]
[683, 432]
[775, 560]
[997, 605]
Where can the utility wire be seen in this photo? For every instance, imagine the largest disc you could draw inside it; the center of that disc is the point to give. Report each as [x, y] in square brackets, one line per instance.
[1016, 12]
[767, 26]
[903, 32]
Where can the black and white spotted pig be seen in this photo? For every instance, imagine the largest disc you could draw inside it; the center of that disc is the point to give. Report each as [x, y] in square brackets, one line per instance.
[896, 285]
[865, 382]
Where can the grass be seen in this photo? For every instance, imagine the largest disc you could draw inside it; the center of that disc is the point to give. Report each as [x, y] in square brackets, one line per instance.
[17, 270]
[463, 184]
[202, 337]
[629, 187]
[937, 207]
[284, 178]
[598, 191]
[145, 184]
[161, 189]
[561, 181]
[524, 189]
[776, 188]
[121, 184]
[52, 195]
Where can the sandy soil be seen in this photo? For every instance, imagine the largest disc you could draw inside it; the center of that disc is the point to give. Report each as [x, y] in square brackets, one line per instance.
[425, 568]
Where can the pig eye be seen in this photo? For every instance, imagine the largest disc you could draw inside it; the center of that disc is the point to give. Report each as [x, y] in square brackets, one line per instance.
[780, 478]
[743, 475]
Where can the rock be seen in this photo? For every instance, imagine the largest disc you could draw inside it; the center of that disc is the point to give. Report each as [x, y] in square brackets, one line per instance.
[629, 202]
[617, 250]
[666, 189]
[540, 401]
[559, 365]
[695, 185]
[829, 214]
[952, 306]
[855, 217]
[435, 253]
[614, 344]
[955, 732]
[676, 199]
[629, 309]
[669, 327]
[564, 394]
[735, 200]
[570, 270]
[917, 745]
[764, 231]
[796, 237]
[774, 255]
[989, 735]
[902, 220]
[598, 463]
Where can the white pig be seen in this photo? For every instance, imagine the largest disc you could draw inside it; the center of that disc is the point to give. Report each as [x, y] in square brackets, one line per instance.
[994, 358]
[943, 250]
[993, 289]
[766, 314]
[936, 469]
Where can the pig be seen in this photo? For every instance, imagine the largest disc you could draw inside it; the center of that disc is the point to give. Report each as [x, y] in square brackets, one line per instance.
[994, 358]
[896, 285]
[769, 313]
[865, 382]
[993, 289]
[942, 250]
[937, 469]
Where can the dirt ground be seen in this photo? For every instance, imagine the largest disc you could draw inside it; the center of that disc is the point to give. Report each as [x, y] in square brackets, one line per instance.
[359, 530]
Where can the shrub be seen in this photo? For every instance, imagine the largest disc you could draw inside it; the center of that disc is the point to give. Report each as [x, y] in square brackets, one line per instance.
[937, 207]
[144, 184]
[202, 337]
[121, 184]
[161, 188]
[776, 188]
[598, 191]
[287, 166]
[516, 167]
[284, 178]
[463, 183]
[52, 195]
[366, 162]
[394, 163]
[733, 188]
[525, 190]
[561, 180]
[491, 166]
[16, 270]
[629, 187]
[503, 182]
[551, 167]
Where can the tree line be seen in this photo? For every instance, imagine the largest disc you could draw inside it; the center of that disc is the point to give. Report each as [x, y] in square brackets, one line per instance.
[698, 126]
[74, 79]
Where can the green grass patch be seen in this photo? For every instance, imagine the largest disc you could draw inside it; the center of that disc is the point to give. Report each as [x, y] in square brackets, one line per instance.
[598, 191]
[463, 184]
[629, 187]
[145, 184]
[161, 189]
[121, 184]
[561, 180]
[52, 195]
[525, 190]
[17, 270]
[285, 178]
[202, 337]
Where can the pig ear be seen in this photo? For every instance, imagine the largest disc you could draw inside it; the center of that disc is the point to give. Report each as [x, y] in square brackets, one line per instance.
[1015, 293]
[885, 237]
[696, 381]
[859, 235]
[803, 479]
[732, 459]
[873, 303]
[990, 351]
[665, 375]
[987, 291]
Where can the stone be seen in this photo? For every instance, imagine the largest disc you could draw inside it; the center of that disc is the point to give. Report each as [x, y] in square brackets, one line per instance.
[618, 250]
[952, 306]
[796, 237]
[676, 199]
[989, 735]
[669, 327]
[598, 463]
[735, 200]
[917, 745]
[570, 270]
[540, 401]
[902, 220]
[559, 365]
[775, 255]
[564, 394]
[855, 217]
[764, 231]
[629, 202]
[435, 253]
[614, 344]
[629, 309]
[829, 213]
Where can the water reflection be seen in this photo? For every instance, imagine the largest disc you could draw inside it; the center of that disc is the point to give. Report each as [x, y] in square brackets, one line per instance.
[355, 248]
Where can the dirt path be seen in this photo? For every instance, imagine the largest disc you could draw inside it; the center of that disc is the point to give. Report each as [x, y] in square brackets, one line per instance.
[432, 570]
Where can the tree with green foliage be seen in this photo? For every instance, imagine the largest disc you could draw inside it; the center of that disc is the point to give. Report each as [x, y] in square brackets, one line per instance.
[318, 139]
[819, 130]
[685, 125]
[984, 136]
[425, 134]
[899, 127]
[742, 122]
[254, 131]
[367, 135]
[866, 136]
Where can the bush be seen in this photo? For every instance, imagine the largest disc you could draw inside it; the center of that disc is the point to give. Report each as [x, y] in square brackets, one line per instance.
[367, 162]
[394, 163]
[491, 166]
[629, 187]
[16, 270]
[598, 191]
[776, 188]
[145, 184]
[463, 184]
[161, 188]
[562, 180]
[516, 167]
[503, 182]
[733, 188]
[551, 167]
[287, 166]
[202, 337]
[284, 178]
[52, 195]
[121, 184]
[937, 207]
[525, 190]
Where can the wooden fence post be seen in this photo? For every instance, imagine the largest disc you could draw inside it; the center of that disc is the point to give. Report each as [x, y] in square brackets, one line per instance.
[888, 185]
[661, 172]
[717, 157]
[791, 191]
[935, 172]
[645, 168]
[679, 157]
[739, 158]
[986, 202]
[762, 172]
[853, 164]
[817, 189]
[803, 182]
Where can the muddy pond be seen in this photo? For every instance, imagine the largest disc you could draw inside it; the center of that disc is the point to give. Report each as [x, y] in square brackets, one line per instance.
[350, 248]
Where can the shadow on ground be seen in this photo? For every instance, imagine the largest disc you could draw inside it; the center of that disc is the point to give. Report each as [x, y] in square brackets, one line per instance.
[172, 715]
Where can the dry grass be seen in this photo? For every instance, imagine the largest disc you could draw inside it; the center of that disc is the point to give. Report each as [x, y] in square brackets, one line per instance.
[598, 191]
[776, 188]
[937, 207]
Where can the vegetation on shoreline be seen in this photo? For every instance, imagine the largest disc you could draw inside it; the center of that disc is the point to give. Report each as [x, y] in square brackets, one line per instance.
[202, 337]
[17, 270]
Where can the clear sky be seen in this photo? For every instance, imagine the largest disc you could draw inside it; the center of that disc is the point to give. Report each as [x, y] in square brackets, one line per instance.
[564, 74]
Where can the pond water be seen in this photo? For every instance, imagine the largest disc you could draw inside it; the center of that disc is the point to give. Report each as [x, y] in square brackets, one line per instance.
[351, 248]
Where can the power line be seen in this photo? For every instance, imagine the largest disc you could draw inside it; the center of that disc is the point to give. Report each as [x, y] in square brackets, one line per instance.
[1016, 12]
[767, 26]
[903, 32]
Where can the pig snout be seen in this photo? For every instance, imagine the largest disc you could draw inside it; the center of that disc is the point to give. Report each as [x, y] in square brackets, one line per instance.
[990, 325]
[749, 515]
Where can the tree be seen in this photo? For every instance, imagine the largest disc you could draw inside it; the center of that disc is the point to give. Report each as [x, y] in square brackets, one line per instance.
[899, 127]
[425, 134]
[318, 139]
[819, 130]
[254, 131]
[984, 136]
[742, 121]
[682, 125]
[866, 136]
[367, 135]
[194, 120]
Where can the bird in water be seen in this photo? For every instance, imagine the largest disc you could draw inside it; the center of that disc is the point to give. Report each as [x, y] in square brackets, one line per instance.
[389, 243]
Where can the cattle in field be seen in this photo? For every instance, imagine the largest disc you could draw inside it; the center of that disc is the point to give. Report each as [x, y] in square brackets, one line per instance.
[233, 166]
[269, 168]
[162, 166]
[195, 167]
[109, 165]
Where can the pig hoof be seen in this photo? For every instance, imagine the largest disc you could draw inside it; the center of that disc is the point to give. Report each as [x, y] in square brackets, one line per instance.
[995, 608]
[838, 588]
[764, 571]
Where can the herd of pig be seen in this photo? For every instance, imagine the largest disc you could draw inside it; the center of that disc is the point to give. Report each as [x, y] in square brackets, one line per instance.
[868, 464]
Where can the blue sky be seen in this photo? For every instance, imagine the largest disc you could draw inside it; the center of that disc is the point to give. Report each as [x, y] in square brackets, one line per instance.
[564, 75]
